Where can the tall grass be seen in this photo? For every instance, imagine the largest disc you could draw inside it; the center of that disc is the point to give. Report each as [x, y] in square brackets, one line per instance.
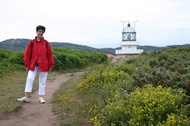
[11, 88]
[71, 105]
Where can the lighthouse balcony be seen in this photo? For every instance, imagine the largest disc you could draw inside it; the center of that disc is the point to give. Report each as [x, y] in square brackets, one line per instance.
[129, 52]
[126, 43]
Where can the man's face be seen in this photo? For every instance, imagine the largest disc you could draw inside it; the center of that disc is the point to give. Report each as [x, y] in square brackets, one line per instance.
[40, 33]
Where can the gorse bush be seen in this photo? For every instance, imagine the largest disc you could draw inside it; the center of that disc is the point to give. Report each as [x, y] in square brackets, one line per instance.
[164, 102]
[102, 83]
[106, 79]
[169, 68]
[127, 68]
[117, 103]
[144, 107]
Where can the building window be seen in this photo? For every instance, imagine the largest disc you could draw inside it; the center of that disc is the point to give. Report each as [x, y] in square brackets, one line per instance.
[129, 37]
[129, 46]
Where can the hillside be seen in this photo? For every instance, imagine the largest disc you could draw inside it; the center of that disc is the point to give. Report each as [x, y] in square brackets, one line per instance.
[152, 88]
[20, 44]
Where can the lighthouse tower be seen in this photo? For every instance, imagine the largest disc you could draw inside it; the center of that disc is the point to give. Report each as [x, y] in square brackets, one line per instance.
[129, 43]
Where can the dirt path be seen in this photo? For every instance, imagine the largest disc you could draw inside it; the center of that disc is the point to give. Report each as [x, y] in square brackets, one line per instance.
[34, 113]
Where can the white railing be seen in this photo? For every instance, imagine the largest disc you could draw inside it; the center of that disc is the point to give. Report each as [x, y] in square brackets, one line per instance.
[128, 43]
[138, 51]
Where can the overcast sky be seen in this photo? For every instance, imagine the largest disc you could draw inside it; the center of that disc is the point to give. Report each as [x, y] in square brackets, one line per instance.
[97, 23]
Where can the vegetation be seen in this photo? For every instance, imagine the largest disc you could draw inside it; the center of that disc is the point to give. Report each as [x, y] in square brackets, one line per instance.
[64, 59]
[68, 103]
[169, 68]
[13, 75]
[10, 61]
[11, 88]
[70, 58]
[150, 89]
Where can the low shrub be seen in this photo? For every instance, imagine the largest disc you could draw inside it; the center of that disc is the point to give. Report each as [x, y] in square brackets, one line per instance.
[144, 107]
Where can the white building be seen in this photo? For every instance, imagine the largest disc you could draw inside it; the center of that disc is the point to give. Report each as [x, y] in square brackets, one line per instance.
[128, 44]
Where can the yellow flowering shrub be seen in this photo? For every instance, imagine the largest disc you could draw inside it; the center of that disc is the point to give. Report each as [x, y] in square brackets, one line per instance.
[116, 102]
[152, 106]
[106, 80]
[149, 106]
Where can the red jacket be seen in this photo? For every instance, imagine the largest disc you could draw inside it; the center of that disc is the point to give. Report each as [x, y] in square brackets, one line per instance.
[39, 51]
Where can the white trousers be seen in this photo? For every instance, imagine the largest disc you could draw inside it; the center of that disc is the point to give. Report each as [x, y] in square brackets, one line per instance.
[42, 81]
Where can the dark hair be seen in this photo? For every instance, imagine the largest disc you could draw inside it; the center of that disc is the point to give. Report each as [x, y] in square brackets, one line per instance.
[40, 27]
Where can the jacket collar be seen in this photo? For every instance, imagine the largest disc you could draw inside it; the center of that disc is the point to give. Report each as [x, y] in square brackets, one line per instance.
[39, 40]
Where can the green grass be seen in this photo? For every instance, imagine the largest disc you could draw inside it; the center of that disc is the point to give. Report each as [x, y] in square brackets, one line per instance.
[71, 104]
[12, 87]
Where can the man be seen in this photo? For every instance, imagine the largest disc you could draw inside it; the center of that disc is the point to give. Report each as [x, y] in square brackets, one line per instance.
[38, 57]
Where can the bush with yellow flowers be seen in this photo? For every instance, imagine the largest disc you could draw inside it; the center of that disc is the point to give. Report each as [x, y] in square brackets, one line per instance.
[107, 80]
[150, 106]
[103, 83]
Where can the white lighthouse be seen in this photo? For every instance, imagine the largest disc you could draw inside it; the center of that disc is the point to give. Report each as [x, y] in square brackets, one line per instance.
[129, 43]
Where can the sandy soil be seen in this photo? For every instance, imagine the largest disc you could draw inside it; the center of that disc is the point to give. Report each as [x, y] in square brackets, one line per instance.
[34, 113]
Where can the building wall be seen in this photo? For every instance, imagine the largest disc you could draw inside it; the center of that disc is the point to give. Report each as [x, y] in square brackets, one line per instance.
[129, 48]
[125, 55]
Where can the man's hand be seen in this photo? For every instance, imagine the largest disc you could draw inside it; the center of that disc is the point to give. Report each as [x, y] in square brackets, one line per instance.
[27, 69]
[50, 69]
